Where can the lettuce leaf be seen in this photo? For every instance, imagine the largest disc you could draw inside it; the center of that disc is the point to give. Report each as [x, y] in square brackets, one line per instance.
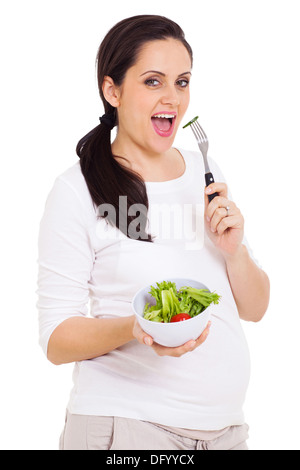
[195, 301]
[170, 302]
[167, 303]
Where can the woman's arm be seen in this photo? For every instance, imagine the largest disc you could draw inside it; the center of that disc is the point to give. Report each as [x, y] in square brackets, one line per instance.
[82, 338]
[250, 284]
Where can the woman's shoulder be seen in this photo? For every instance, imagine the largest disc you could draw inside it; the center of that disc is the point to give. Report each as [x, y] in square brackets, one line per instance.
[73, 178]
[70, 185]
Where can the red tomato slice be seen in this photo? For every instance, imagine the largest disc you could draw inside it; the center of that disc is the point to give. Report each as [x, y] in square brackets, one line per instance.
[180, 317]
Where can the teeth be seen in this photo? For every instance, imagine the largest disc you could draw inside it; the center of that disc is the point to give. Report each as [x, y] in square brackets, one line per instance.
[166, 116]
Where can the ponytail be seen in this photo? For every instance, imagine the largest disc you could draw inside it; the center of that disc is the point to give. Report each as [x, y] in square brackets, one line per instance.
[107, 179]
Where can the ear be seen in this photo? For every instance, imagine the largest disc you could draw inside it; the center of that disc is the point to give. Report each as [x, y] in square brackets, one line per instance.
[111, 92]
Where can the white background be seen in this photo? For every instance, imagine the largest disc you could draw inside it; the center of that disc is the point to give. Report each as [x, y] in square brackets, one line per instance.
[246, 91]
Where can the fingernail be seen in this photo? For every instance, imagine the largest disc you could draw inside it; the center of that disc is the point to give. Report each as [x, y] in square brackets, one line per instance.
[207, 218]
[208, 190]
[147, 341]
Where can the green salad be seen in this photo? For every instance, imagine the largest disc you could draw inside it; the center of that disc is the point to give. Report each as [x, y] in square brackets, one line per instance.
[177, 305]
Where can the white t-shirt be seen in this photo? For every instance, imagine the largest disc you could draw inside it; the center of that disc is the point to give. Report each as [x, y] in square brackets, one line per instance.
[88, 267]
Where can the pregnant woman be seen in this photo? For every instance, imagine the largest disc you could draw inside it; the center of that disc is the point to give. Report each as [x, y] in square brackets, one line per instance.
[101, 241]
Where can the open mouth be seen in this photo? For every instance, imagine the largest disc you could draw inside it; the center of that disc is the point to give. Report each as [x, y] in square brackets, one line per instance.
[163, 123]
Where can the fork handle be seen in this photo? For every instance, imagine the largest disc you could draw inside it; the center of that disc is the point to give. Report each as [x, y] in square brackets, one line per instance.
[210, 179]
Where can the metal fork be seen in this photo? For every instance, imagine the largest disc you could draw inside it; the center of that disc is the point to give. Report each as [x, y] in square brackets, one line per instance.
[203, 144]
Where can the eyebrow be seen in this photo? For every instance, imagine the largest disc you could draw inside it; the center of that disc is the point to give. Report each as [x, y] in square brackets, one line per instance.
[163, 74]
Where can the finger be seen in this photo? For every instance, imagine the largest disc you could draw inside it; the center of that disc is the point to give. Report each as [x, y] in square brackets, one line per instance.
[141, 336]
[219, 214]
[203, 336]
[219, 202]
[230, 223]
[185, 348]
[220, 188]
[174, 352]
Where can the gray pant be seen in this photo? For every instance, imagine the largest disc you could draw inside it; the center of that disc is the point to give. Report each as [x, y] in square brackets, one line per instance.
[111, 433]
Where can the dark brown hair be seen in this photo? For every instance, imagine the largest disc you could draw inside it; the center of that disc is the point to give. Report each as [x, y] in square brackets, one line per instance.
[105, 177]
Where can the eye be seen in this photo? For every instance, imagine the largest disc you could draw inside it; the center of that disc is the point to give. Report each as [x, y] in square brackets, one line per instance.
[183, 82]
[152, 82]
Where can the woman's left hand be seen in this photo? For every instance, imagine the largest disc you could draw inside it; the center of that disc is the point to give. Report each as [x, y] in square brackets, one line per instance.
[179, 351]
[224, 221]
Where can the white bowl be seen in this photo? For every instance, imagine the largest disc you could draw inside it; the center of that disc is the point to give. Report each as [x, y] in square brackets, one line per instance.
[170, 334]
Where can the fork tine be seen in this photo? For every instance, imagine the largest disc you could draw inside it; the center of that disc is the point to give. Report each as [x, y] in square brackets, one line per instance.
[196, 132]
[201, 131]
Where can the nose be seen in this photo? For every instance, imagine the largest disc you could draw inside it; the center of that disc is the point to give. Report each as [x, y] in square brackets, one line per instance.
[170, 96]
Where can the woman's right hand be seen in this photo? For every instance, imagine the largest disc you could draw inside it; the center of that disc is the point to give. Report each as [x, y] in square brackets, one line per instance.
[144, 338]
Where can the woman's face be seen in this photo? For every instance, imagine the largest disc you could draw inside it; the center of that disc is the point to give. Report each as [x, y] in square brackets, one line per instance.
[154, 96]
